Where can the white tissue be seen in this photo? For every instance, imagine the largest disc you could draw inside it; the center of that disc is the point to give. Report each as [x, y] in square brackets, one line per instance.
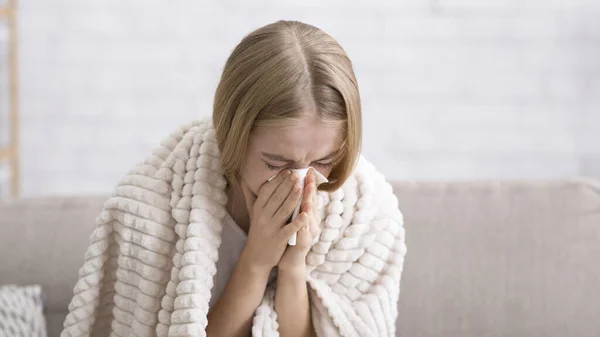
[301, 176]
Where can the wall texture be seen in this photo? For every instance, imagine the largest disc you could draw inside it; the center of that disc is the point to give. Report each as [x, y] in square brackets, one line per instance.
[452, 89]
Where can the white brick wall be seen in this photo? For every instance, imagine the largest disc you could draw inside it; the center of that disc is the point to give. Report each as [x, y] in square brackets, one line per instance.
[452, 89]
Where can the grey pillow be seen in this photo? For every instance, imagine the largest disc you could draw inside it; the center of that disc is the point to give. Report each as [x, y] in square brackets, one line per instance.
[21, 311]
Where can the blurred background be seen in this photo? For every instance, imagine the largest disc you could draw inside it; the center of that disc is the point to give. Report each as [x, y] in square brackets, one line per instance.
[451, 89]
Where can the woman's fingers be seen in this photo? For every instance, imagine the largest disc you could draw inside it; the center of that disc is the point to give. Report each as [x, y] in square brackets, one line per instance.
[267, 189]
[310, 208]
[310, 204]
[280, 195]
[294, 226]
[310, 191]
[310, 177]
[288, 206]
[307, 205]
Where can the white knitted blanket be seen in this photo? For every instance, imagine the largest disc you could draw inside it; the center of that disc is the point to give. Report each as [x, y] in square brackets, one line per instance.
[149, 268]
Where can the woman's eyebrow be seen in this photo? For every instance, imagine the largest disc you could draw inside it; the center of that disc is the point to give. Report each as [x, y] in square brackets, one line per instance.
[281, 158]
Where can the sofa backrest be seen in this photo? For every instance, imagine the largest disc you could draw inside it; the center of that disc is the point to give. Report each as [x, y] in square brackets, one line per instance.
[42, 241]
[517, 259]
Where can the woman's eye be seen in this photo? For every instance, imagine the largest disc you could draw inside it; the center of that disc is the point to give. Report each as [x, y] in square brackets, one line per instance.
[273, 168]
[324, 165]
[278, 168]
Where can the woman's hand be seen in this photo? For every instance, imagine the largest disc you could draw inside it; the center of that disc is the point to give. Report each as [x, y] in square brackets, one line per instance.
[294, 257]
[269, 212]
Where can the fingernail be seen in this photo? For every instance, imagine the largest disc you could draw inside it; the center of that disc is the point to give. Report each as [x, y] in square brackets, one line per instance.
[287, 172]
[303, 216]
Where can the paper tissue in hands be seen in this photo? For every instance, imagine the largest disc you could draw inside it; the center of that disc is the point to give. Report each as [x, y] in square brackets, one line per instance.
[319, 178]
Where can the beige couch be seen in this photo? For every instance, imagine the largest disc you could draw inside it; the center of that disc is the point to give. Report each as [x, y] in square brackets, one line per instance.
[484, 258]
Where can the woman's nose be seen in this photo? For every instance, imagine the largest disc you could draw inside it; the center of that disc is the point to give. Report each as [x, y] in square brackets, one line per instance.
[301, 165]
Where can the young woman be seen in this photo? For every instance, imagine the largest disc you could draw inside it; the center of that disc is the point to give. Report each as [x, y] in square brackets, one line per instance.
[195, 239]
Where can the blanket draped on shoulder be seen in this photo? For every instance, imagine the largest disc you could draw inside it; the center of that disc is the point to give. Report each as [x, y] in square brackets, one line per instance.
[149, 268]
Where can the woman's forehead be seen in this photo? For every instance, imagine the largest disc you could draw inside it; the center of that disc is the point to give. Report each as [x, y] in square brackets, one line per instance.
[298, 141]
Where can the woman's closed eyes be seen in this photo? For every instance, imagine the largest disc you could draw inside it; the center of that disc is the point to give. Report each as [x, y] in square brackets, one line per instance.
[281, 167]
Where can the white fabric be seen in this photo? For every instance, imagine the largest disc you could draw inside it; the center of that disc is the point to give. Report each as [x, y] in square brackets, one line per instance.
[149, 268]
[233, 242]
[21, 311]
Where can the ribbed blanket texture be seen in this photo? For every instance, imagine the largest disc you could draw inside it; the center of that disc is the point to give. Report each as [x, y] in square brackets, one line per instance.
[149, 268]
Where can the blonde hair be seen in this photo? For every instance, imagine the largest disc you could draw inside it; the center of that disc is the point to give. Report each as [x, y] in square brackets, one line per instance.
[278, 74]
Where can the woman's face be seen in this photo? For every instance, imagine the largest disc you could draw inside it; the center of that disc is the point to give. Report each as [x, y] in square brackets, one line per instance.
[272, 149]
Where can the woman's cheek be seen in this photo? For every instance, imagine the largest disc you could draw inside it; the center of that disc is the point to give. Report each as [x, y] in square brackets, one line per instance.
[259, 180]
